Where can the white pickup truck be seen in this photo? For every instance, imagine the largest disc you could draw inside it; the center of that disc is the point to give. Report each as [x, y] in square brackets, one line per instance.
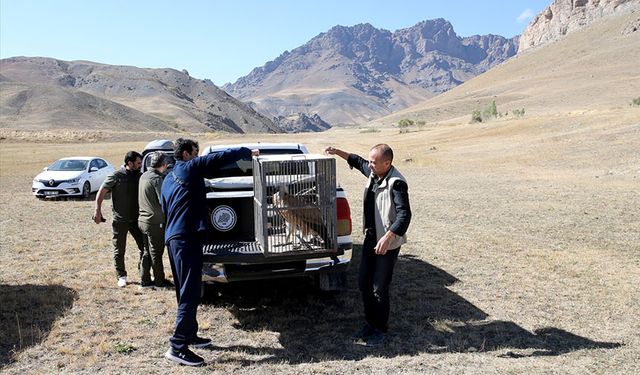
[242, 225]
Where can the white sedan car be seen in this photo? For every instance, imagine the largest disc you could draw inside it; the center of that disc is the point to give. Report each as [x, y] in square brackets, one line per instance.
[73, 176]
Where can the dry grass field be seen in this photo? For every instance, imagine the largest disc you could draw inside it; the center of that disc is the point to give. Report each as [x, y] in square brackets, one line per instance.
[523, 252]
[524, 257]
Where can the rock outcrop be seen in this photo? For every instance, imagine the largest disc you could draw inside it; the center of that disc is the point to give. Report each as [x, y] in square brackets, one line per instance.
[301, 123]
[565, 16]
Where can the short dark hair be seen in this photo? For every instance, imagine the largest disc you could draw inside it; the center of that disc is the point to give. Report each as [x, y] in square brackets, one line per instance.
[131, 156]
[158, 159]
[183, 145]
[385, 151]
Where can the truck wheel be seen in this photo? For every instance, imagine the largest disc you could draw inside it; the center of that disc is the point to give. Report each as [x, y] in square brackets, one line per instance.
[331, 281]
[208, 292]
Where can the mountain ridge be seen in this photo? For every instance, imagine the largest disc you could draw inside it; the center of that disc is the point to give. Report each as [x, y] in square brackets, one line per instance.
[135, 98]
[593, 69]
[350, 74]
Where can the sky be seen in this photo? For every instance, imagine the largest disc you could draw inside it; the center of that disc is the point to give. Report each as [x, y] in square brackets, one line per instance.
[224, 40]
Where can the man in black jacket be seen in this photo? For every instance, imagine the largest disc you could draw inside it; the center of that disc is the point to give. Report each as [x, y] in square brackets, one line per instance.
[386, 216]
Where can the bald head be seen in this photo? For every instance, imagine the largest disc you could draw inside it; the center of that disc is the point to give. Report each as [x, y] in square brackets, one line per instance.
[385, 151]
[380, 158]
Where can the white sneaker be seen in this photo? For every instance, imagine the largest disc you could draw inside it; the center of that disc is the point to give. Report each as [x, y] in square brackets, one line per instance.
[122, 281]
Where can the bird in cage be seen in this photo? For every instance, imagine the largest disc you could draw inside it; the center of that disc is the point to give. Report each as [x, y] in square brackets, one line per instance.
[299, 217]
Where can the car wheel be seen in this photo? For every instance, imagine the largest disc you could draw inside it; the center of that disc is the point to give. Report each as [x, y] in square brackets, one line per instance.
[86, 190]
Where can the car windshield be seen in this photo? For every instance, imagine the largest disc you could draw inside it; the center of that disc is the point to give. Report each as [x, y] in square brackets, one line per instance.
[69, 165]
[245, 167]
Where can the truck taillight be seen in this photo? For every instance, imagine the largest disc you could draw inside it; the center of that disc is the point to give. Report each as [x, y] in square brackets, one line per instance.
[343, 227]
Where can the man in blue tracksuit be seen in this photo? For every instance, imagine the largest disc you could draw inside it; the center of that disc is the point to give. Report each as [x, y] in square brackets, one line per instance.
[184, 204]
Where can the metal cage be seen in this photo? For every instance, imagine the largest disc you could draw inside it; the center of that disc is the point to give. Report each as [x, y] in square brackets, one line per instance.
[295, 204]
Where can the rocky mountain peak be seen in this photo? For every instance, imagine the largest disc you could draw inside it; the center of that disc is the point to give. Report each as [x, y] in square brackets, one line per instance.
[438, 28]
[368, 72]
[565, 16]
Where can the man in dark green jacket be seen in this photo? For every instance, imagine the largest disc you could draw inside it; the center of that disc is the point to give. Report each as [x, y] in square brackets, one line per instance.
[151, 222]
[123, 185]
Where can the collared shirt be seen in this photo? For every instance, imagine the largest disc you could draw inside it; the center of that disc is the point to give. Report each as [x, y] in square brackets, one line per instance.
[184, 200]
[149, 195]
[400, 192]
[123, 185]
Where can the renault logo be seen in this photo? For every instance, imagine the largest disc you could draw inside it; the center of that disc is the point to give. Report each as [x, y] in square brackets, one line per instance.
[52, 182]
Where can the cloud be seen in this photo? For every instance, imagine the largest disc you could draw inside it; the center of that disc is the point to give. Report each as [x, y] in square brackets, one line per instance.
[525, 16]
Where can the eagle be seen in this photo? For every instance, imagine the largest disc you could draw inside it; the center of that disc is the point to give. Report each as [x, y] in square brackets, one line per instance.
[299, 217]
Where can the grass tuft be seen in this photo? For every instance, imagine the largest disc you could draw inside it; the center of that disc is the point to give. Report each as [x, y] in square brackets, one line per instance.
[124, 348]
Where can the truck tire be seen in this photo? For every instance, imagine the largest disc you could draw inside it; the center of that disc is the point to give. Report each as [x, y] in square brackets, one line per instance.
[208, 292]
[331, 281]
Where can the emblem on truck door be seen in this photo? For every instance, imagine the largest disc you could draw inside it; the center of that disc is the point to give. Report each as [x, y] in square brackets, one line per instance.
[224, 218]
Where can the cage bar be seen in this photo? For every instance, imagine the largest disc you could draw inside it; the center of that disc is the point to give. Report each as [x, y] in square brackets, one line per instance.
[295, 204]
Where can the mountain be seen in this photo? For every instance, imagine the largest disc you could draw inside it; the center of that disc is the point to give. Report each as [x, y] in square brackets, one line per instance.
[565, 16]
[353, 74]
[45, 93]
[592, 71]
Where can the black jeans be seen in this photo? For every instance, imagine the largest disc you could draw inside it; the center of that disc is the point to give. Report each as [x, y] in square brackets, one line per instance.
[185, 256]
[374, 280]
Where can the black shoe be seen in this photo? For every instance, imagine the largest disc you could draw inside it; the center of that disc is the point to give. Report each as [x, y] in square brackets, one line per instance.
[200, 342]
[146, 285]
[363, 333]
[165, 284]
[184, 357]
[374, 341]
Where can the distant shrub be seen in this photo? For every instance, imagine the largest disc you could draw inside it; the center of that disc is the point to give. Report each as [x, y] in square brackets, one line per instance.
[636, 102]
[476, 116]
[404, 125]
[489, 113]
[370, 130]
[518, 112]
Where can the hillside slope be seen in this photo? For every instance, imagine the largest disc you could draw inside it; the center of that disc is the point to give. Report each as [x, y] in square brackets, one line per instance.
[45, 93]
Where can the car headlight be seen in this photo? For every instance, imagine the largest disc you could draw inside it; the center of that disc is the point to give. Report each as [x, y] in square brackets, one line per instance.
[73, 180]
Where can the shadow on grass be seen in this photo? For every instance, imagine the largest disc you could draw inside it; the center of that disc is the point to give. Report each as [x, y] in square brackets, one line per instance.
[78, 198]
[426, 317]
[27, 313]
